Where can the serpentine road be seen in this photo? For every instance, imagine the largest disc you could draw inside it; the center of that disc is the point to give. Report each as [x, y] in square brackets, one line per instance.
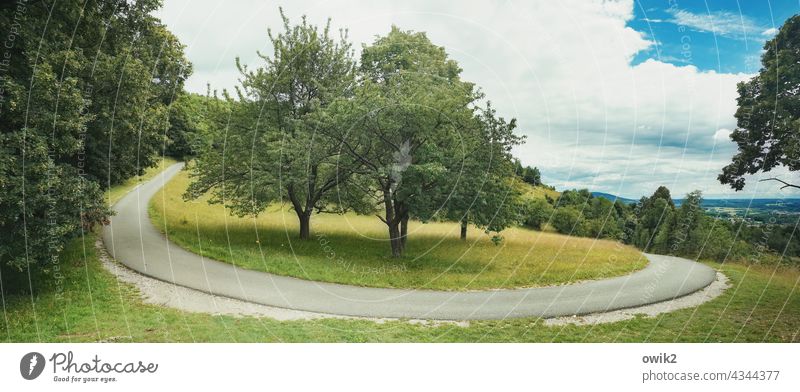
[133, 241]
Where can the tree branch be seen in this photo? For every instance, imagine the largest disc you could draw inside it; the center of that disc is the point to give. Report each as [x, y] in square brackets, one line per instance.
[785, 184]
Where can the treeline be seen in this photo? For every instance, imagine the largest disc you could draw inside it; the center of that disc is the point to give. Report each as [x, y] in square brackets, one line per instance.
[192, 118]
[85, 95]
[529, 175]
[655, 224]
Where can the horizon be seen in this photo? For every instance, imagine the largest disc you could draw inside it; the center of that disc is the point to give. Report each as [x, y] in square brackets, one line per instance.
[705, 197]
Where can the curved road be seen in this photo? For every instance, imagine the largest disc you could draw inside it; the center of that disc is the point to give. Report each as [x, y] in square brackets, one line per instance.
[136, 243]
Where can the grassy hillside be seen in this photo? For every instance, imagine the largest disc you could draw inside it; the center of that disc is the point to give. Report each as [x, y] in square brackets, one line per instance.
[353, 249]
[537, 192]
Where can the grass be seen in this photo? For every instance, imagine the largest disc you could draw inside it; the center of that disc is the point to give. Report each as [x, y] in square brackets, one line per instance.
[539, 192]
[88, 304]
[353, 249]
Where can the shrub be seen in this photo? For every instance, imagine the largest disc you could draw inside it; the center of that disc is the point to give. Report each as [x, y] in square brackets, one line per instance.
[536, 213]
[567, 220]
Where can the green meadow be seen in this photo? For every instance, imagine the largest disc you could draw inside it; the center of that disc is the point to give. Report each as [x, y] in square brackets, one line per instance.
[354, 249]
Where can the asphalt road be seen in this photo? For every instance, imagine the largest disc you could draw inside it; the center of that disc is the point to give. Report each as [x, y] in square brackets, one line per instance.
[133, 241]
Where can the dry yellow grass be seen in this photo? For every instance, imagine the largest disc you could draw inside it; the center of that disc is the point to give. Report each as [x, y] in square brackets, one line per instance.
[353, 249]
[539, 192]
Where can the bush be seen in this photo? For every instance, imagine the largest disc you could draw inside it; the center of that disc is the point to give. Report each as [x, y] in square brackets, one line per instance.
[602, 228]
[567, 220]
[536, 213]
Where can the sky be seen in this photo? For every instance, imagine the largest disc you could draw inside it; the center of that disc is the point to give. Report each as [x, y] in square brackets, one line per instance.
[614, 96]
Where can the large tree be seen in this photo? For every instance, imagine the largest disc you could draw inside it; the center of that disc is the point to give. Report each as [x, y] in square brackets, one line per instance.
[83, 93]
[414, 131]
[768, 117]
[274, 147]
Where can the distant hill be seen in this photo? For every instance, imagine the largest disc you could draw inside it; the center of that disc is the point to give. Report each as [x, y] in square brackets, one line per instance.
[792, 205]
[613, 197]
[755, 211]
[789, 205]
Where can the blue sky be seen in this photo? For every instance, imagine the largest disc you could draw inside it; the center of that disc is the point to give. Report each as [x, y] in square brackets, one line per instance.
[725, 36]
[618, 96]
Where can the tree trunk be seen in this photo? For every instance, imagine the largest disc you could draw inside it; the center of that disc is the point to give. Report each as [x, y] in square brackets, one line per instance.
[464, 229]
[305, 225]
[395, 239]
[303, 215]
[403, 233]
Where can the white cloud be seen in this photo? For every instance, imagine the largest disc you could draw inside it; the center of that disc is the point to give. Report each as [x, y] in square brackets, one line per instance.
[563, 69]
[769, 32]
[724, 23]
[722, 135]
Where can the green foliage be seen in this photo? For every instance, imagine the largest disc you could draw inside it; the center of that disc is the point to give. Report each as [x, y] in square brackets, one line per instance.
[576, 198]
[274, 143]
[190, 123]
[688, 218]
[83, 99]
[568, 220]
[536, 213]
[656, 220]
[656, 225]
[528, 174]
[400, 133]
[484, 193]
[424, 151]
[532, 176]
[402, 53]
[768, 117]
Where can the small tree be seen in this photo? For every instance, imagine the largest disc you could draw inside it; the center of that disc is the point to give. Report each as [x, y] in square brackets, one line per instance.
[274, 146]
[567, 220]
[688, 218]
[485, 193]
[536, 213]
[655, 221]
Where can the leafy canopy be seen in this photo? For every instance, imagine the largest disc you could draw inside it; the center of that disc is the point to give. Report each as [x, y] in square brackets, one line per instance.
[83, 95]
[274, 145]
[768, 117]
